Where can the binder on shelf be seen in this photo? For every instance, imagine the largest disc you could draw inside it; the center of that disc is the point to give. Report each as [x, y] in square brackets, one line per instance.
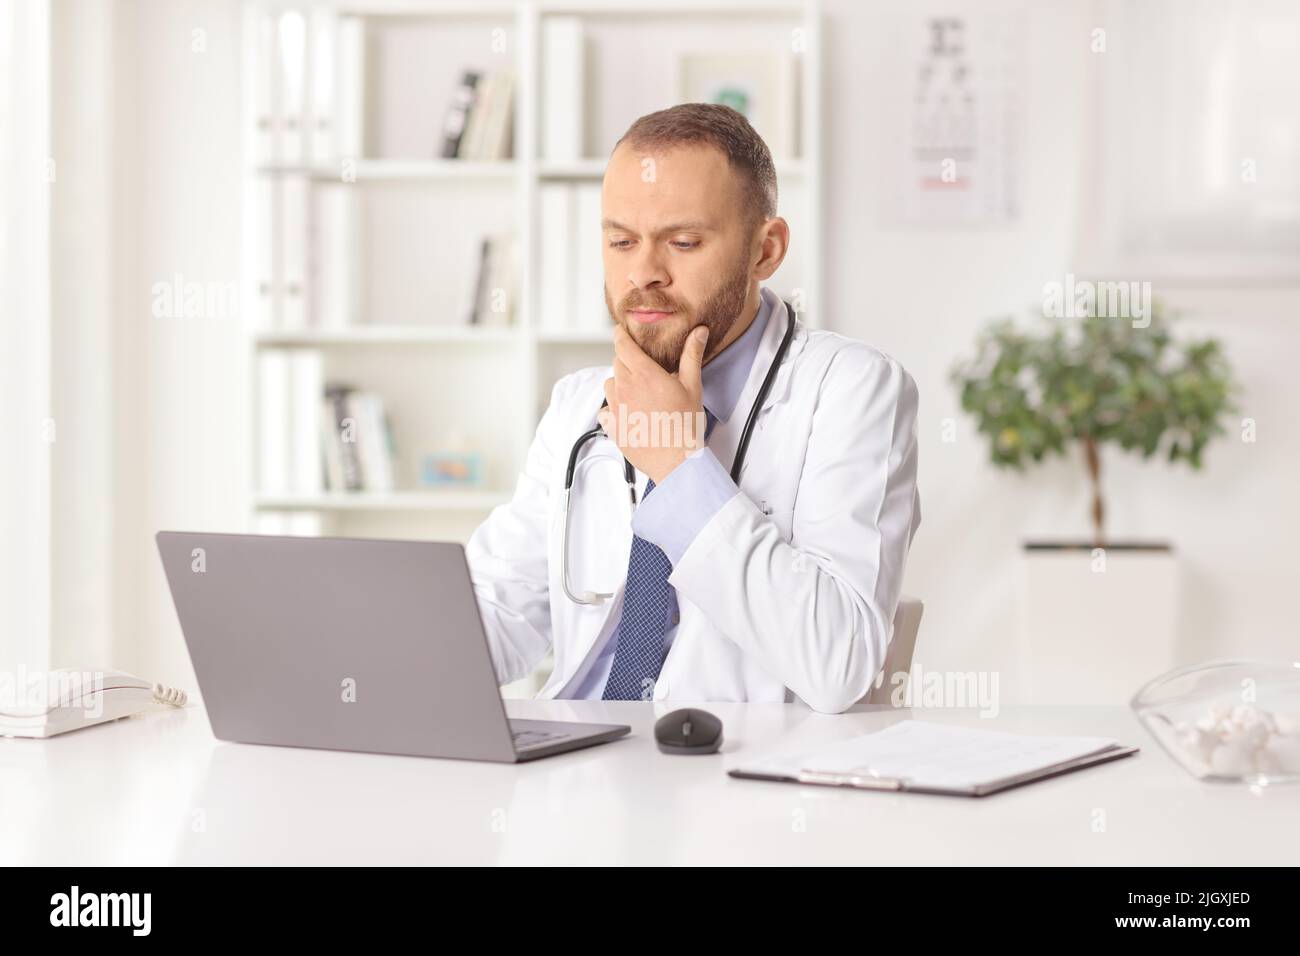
[589, 310]
[335, 300]
[307, 385]
[259, 96]
[273, 421]
[294, 193]
[556, 271]
[258, 255]
[291, 80]
[350, 92]
[322, 26]
[562, 88]
[290, 385]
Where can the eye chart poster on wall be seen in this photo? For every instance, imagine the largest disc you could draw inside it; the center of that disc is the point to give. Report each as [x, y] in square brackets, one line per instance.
[958, 135]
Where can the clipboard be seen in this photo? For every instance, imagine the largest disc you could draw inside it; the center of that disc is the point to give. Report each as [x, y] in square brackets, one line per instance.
[922, 756]
[860, 781]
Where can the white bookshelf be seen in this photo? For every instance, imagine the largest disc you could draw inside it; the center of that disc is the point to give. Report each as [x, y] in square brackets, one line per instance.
[382, 170]
[391, 335]
[487, 383]
[469, 500]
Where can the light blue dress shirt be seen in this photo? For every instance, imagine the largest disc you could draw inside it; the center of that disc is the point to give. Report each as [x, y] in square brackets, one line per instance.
[692, 492]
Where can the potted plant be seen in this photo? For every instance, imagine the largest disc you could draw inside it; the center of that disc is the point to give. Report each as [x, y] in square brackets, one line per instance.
[1080, 387]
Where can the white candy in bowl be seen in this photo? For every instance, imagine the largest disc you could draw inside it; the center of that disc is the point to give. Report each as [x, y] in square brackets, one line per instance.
[1228, 720]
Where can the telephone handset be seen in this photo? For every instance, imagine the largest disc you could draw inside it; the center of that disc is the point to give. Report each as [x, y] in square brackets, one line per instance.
[70, 700]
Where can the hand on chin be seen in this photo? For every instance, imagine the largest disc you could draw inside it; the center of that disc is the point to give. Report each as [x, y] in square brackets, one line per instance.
[664, 340]
[642, 393]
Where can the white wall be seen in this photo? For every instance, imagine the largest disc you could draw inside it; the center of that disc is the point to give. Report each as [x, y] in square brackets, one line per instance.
[921, 295]
[26, 389]
[81, 230]
[178, 388]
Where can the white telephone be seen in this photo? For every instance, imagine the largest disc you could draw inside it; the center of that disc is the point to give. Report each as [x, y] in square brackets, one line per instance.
[71, 700]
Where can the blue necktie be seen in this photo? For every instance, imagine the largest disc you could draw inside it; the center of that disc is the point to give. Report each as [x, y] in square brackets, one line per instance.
[648, 605]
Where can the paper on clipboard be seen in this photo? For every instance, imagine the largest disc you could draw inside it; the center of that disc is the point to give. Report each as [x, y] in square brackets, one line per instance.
[936, 758]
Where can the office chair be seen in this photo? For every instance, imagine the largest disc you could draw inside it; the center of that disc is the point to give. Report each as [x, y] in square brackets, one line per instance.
[898, 656]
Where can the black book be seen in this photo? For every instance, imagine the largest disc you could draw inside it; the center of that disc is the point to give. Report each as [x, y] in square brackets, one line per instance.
[346, 435]
[456, 118]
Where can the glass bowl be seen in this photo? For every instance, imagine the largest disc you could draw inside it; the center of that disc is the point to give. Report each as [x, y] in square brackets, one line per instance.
[1227, 721]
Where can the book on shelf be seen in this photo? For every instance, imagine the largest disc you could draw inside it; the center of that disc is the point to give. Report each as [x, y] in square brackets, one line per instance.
[492, 302]
[472, 142]
[358, 442]
[479, 120]
[499, 136]
[491, 120]
[374, 441]
[456, 120]
[273, 392]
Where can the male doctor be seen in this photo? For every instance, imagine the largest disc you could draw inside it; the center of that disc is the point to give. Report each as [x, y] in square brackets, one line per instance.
[782, 585]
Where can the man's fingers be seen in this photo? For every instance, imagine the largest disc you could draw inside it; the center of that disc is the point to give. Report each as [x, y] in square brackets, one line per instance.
[631, 355]
[689, 369]
[605, 417]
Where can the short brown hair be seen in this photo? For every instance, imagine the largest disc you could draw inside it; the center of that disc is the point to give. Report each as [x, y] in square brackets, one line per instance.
[722, 128]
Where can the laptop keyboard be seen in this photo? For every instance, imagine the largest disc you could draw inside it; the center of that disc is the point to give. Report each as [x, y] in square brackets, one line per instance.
[534, 738]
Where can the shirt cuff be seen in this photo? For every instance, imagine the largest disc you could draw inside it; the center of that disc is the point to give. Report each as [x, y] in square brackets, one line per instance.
[675, 511]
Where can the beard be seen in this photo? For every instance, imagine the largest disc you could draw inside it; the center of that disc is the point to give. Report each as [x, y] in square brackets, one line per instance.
[663, 341]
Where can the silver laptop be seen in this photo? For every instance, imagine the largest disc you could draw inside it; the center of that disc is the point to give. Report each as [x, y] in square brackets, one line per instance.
[348, 644]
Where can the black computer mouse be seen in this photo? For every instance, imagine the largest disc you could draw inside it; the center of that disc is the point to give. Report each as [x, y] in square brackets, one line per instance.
[688, 731]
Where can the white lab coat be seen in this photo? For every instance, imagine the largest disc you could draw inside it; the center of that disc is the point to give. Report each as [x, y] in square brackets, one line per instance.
[788, 591]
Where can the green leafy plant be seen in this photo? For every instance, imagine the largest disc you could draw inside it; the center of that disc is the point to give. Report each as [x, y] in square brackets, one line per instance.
[1090, 382]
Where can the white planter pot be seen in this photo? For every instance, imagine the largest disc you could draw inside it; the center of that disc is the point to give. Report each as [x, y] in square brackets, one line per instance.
[1094, 626]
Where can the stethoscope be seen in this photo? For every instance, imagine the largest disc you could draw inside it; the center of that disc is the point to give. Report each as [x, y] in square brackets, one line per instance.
[629, 473]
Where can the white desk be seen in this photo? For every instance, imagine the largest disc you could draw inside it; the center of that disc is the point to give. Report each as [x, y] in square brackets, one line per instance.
[159, 790]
